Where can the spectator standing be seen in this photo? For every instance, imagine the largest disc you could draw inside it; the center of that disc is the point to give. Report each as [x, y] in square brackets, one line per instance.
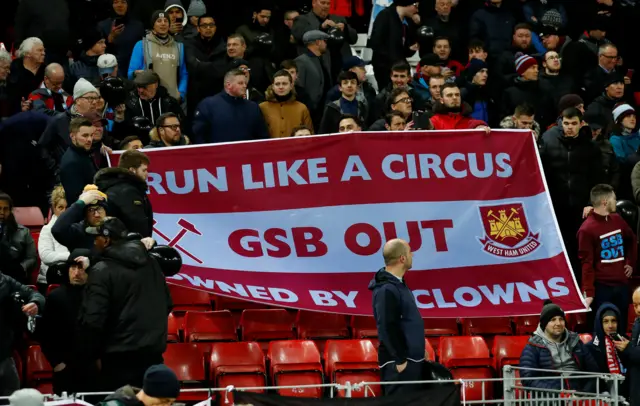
[391, 40]
[51, 98]
[18, 255]
[430, 65]
[596, 78]
[610, 166]
[252, 93]
[607, 248]
[493, 24]
[5, 69]
[89, 211]
[160, 386]
[445, 23]
[76, 167]
[167, 132]
[51, 251]
[179, 27]
[581, 56]
[282, 112]
[159, 52]
[553, 81]
[150, 99]
[452, 113]
[259, 26]
[442, 48]
[314, 73]
[126, 190]
[122, 32]
[603, 105]
[625, 138]
[523, 118]
[27, 73]
[400, 76]
[365, 93]
[228, 116]
[284, 42]
[398, 320]
[520, 44]
[86, 65]
[127, 282]
[475, 92]
[398, 101]
[347, 104]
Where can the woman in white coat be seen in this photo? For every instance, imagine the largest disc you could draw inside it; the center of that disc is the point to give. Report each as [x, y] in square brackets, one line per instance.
[50, 250]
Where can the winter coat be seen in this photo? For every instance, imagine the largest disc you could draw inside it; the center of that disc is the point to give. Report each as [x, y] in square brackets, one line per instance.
[55, 140]
[453, 29]
[21, 82]
[398, 320]
[632, 354]
[555, 87]
[635, 185]
[505, 66]
[43, 101]
[249, 32]
[581, 56]
[603, 106]
[127, 199]
[85, 67]
[366, 93]
[50, 251]
[125, 304]
[572, 166]
[282, 117]
[77, 170]
[311, 78]
[445, 120]
[480, 100]
[154, 108]
[207, 63]
[594, 81]
[508, 123]
[18, 255]
[123, 44]
[69, 229]
[626, 147]
[11, 310]
[536, 355]
[224, 118]
[156, 142]
[494, 26]
[529, 92]
[332, 113]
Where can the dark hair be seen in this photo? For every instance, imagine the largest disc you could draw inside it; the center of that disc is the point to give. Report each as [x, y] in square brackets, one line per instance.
[163, 118]
[401, 66]
[524, 110]
[11, 224]
[284, 73]
[289, 64]
[389, 117]
[356, 119]
[346, 75]
[441, 38]
[544, 56]
[448, 85]
[476, 44]
[572, 112]
[205, 16]
[133, 159]
[391, 99]
[79, 122]
[300, 127]
[598, 192]
[521, 26]
[127, 140]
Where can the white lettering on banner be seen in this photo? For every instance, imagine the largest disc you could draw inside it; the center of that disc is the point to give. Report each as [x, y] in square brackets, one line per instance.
[456, 165]
[323, 298]
[203, 177]
[314, 169]
[354, 168]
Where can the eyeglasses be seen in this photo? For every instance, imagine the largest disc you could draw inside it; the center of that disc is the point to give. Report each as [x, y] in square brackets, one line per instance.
[211, 25]
[173, 127]
[95, 210]
[90, 98]
[245, 69]
[610, 56]
[404, 100]
[554, 58]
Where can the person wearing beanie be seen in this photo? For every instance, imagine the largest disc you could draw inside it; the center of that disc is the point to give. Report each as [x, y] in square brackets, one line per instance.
[122, 31]
[86, 64]
[613, 95]
[159, 52]
[506, 64]
[625, 137]
[553, 347]
[570, 100]
[160, 387]
[553, 81]
[26, 397]
[474, 91]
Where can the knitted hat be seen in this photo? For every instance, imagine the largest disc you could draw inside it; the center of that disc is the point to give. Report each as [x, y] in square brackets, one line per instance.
[161, 382]
[612, 78]
[552, 18]
[569, 100]
[595, 120]
[102, 202]
[197, 9]
[549, 311]
[158, 14]
[475, 66]
[82, 87]
[524, 62]
[621, 111]
[90, 38]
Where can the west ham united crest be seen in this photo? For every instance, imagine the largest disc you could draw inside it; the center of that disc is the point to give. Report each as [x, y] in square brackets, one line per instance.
[507, 233]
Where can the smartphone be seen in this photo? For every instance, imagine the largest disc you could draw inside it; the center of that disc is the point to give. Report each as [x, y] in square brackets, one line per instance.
[118, 22]
[179, 20]
[421, 121]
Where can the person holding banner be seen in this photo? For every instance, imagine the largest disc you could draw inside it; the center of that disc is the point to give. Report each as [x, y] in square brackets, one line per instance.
[453, 114]
[400, 326]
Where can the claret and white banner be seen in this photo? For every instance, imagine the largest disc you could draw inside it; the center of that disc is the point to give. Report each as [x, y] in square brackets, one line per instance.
[301, 222]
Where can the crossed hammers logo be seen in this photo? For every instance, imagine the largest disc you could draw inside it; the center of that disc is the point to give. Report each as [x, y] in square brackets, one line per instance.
[187, 227]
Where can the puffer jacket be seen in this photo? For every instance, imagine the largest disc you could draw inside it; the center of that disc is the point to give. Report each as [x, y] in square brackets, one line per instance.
[18, 255]
[282, 117]
[125, 304]
[154, 108]
[50, 250]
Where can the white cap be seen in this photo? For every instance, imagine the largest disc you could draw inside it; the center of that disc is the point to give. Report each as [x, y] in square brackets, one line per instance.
[107, 63]
[26, 397]
[620, 110]
[82, 87]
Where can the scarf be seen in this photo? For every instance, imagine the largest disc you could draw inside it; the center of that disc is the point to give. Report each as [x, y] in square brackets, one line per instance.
[613, 361]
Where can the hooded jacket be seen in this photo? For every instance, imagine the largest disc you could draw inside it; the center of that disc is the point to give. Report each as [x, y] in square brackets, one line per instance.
[77, 169]
[154, 108]
[188, 30]
[398, 320]
[125, 304]
[282, 117]
[597, 346]
[494, 26]
[443, 119]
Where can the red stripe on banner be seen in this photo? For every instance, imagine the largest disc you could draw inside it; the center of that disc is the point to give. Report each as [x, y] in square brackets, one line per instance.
[344, 169]
[481, 291]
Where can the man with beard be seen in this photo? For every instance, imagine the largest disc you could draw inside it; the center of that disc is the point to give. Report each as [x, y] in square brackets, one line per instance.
[604, 104]
[150, 99]
[552, 81]
[520, 44]
[444, 24]
[167, 132]
[259, 25]
[452, 114]
[76, 167]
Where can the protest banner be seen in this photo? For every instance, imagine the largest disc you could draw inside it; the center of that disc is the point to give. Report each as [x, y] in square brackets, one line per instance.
[301, 222]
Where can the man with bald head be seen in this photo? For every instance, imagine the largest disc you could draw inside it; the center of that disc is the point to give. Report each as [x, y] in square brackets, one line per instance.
[400, 327]
[50, 98]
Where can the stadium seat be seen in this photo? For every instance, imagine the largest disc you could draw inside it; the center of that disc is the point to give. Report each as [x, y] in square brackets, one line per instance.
[435, 328]
[185, 299]
[364, 327]
[39, 374]
[526, 325]
[18, 361]
[188, 362]
[51, 288]
[30, 217]
[429, 348]
[229, 303]
[469, 359]
[263, 325]
[586, 338]
[488, 328]
[238, 364]
[507, 350]
[577, 322]
[352, 361]
[294, 363]
[321, 327]
[174, 327]
[209, 326]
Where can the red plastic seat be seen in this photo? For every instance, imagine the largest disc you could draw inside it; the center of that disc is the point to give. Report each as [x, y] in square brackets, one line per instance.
[237, 364]
[30, 217]
[475, 390]
[526, 325]
[263, 325]
[187, 361]
[185, 299]
[441, 327]
[321, 327]
[295, 363]
[577, 322]
[364, 327]
[39, 373]
[429, 348]
[209, 326]
[174, 327]
[586, 338]
[487, 327]
[468, 358]
[229, 303]
[51, 288]
[352, 361]
[507, 351]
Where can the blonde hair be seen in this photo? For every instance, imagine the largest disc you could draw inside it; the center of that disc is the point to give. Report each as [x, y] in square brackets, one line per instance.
[57, 195]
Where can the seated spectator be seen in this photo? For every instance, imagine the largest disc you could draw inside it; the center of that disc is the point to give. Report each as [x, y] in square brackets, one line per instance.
[400, 76]
[27, 73]
[347, 104]
[493, 24]
[442, 48]
[252, 93]
[553, 81]
[70, 227]
[86, 64]
[160, 386]
[167, 132]
[131, 142]
[18, 255]
[603, 105]
[282, 112]
[523, 118]
[150, 99]
[476, 92]
[535, 12]
[301, 131]
[553, 347]
[395, 121]
[228, 116]
[50, 250]
[51, 98]
[77, 167]
[625, 138]
[349, 123]
[597, 78]
[454, 114]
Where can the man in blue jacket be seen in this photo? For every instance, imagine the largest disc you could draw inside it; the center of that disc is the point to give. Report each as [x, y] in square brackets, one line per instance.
[400, 326]
[553, 347]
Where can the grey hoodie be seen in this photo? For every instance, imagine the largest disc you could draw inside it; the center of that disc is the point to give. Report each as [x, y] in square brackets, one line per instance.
[561, 352]
[177, 3]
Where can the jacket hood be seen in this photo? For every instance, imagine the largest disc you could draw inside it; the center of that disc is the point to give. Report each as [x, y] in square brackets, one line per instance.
[126, 395]
[383, 277]
[152, 38]
[539, 339]
[130, 253]
[465, 110]
[598, 330]
[108, 177]
[270, 95]
[177, 3]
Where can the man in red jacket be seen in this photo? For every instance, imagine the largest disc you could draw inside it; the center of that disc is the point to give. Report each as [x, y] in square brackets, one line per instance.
[607, 250]
[452, 113]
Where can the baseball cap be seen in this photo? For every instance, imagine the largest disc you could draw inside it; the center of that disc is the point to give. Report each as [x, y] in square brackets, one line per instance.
[111, 227]
[107, 64]
[353, 61]
[146, 78]
[313, 36]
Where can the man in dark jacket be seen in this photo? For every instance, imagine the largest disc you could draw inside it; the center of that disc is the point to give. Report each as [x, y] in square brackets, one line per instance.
[553, 81]
[86, 64]
[398, 320]
[553, 347]
[9, 309]
[445, 23]
[77, 168]
[346, 104]
[603, 105]
[123, 316]
[595, 79]
[160, 386]
[228, 116]
[126, 189]
[150, 99]
[59, 315]
[581, 56]
[493, 24]
[122, 32]
[506, 61]
[89, 210]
